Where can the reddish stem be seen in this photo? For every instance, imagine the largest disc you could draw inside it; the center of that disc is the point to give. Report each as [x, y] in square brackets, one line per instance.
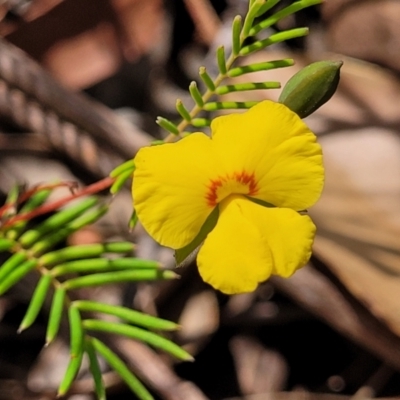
[72, 186]
[46, 208]
[29, 193]
[5, 208]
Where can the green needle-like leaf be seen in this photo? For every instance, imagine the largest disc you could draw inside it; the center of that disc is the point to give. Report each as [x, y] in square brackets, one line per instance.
[182, 110]
[54, 238]
[167, 125]
[206, 78]
[127, 165]
[95, 370]
[117, 277]
[138, 334]
[236, 29]
[16, 275]
[239, 87]
[119, 366]
[196, 95]
[38, 297]
[263, 66]
[201, 122]
[133, 220]
[12, 196]
[120, 181]
[76, 331]
[36, 200]
[85, 251]
[267, 6]
[104, 264]
[56, 221]
[12, 263]
[157, 142]
[11, 201]
[6, 244]
[70, 374]
[291, 9]
[251, 14]
[132, 316]
[32, 203]
[56, 312]
[221, 60]
[273, 39]
[229, 105]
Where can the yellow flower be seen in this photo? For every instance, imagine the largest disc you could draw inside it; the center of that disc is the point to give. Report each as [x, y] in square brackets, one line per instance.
[260, 168]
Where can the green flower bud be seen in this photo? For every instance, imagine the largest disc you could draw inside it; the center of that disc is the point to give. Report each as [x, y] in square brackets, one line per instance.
[311, 87]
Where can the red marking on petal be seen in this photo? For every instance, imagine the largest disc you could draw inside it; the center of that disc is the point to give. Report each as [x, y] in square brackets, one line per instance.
[212, 195]
[243, 178]
[247, 179]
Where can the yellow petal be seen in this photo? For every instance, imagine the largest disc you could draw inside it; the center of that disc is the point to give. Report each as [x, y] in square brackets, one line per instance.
[275, 145]
[169, 189]
[251, 242]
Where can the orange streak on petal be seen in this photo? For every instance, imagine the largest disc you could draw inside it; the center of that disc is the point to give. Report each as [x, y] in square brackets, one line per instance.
[212, 194]
[247, 179]
[243, 178]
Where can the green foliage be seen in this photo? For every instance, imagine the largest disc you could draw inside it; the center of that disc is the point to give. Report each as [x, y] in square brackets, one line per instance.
[253, 23]
[56, 312]
[121, 174]
[95, 370]
[131, 316]
[138, 334]
[133, 220]
[62, 270]
[38, 298]
[118, 365]
[168, 125]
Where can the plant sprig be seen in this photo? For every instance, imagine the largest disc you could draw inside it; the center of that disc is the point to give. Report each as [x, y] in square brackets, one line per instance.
[62, 270]
[241, 31]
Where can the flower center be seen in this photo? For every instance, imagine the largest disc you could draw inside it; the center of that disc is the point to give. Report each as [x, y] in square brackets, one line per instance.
[236, 183]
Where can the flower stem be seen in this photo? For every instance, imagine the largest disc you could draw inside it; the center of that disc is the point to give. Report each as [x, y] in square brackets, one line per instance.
[91, 189]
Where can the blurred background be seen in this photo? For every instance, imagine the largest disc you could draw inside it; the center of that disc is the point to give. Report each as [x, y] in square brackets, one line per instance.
[81, 83]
